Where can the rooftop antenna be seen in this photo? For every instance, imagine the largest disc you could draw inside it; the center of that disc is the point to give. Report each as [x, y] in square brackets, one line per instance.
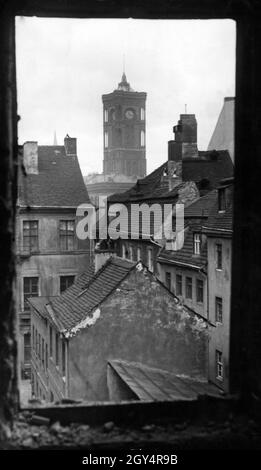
[123, 63]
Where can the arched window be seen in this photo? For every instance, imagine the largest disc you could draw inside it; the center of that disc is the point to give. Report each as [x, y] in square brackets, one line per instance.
[106, 115]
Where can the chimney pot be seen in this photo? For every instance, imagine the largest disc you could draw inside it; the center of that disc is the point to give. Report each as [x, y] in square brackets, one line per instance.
[70, 145]
[30, 157]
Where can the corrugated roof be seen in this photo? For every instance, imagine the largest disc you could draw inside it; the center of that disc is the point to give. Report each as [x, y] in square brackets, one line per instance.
[210, 165]
[59, 182]
[149, 383]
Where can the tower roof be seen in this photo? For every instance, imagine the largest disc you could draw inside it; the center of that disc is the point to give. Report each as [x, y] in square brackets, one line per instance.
[124, 85]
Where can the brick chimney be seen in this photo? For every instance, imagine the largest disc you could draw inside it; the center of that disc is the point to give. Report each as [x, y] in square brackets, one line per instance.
[186, 134]
[102, 253]
[70, 145]
[30, 158]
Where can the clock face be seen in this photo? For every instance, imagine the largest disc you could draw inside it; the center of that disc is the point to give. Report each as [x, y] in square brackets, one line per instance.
[129, 114]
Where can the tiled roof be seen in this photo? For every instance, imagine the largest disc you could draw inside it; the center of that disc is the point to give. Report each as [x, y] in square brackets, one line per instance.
[39, 304]
[221, 222]
[149, 383]
[59, 182]
[211, 165]
[202, 206]
[185, 255]
[80, 299]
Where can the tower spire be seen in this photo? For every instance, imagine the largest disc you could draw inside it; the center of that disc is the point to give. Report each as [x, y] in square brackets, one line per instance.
[55, 139]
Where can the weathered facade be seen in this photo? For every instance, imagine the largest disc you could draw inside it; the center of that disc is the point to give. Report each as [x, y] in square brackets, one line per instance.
[120, 312]
[187, 175]
[49, 254]
[200, 273]
[219, 231]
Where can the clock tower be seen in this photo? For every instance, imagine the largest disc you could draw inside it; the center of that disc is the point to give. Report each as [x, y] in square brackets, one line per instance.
[124, 122]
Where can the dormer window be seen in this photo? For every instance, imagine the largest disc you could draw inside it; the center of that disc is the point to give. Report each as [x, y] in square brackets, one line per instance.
[197, 243]
[221, 199]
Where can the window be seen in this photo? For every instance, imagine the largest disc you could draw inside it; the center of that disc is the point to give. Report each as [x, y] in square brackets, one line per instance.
[63, 358]
[30, 289]
[27, 348]
[200, 290]
[138, 254]
[179, 284]
[106, 139]
[142, 114]
[65, 282]
[30, 235]
[39, 347]
[197, 243]
[150, 259]
[219, 309]
[131, 253]
[142, 139]
[46, 356]
[189, 287]
[106, 115]
[168, 280]
[57, 349]
[218, 255]
[51, 340]
[222, 199]
[33, 336]
[43, 352]
[219, 365]
[66, 235]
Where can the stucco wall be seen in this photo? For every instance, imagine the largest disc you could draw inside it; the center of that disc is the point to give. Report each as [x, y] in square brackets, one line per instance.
[139, 322]
[199, 307]
[219, 286]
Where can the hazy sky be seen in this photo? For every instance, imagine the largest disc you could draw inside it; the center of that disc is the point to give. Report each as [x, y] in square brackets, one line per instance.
[65, 65]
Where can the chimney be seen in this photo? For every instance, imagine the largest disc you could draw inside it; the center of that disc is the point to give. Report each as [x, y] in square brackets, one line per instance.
[186, 133]
[102, 255]
[30, 158]
[70, 145]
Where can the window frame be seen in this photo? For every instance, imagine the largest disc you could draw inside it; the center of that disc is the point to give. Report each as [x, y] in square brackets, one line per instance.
[29, 247]
[63, 277]
[219, 365]
[168, 279]
[179, 284]
[219, 256]
[247, 33]
[188, 285]
[200, 298]
[65, 235]
[218, 313]
[24, 294]
[197, 242]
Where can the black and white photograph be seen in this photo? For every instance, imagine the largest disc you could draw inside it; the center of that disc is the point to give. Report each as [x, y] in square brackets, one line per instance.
[130, 325]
